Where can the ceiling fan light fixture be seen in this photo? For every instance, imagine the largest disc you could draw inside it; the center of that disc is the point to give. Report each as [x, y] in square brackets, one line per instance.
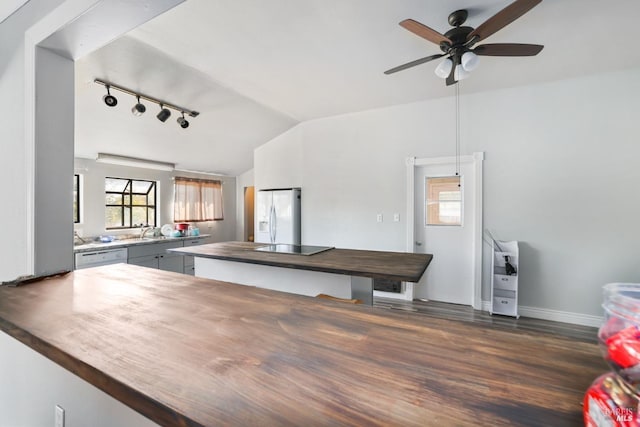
[460, 73]
[444, 68]
[139, 108]
[470, 61]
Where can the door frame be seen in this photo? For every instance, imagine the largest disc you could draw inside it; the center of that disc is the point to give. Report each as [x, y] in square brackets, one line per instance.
[476, 160]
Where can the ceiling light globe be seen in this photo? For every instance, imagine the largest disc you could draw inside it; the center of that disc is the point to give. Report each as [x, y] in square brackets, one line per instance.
[444, 68]
[460, 73]
[470, 61]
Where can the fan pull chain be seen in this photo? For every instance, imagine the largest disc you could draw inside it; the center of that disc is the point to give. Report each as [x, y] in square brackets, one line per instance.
[458, 130]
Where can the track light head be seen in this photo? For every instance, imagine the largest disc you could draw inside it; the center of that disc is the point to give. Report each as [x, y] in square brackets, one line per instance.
[109, 99]
[183, 122]
[139, 108]
[164, 114]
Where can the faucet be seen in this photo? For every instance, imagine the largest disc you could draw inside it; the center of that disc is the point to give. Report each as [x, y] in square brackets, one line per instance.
[77, 236]
[144, 229]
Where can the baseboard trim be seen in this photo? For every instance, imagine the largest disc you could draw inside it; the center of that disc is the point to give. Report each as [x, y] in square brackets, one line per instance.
[555, 315]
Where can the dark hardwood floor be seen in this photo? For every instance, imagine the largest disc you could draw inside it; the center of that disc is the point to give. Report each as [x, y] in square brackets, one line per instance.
[468, 314]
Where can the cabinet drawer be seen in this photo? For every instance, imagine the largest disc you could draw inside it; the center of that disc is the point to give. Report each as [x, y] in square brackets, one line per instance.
[152, 248]
[194, 242]
[501, 281]
[503, 293]
[504, 306]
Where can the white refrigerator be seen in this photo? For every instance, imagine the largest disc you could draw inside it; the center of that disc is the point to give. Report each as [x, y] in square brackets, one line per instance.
[278, 216]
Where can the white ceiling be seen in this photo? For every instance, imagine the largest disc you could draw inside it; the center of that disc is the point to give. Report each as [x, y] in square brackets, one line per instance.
[255, 68]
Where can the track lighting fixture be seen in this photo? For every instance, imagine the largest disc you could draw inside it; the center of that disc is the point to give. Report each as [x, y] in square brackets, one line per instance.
[109, 99]
[138, 109]
[164, 114]
[183, 122]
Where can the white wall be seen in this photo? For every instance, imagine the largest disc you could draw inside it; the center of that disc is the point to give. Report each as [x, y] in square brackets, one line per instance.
[560, 176]
[32, 385]
[13, 179]
[93, 208]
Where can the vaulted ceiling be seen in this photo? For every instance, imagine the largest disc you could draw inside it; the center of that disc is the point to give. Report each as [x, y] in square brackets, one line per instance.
[254, 69]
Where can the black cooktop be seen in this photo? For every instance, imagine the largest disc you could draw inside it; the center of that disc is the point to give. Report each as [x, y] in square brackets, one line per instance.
[282, 248]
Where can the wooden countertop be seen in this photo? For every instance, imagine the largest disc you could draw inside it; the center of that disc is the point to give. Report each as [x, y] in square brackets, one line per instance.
[407, 267]
[186, 351]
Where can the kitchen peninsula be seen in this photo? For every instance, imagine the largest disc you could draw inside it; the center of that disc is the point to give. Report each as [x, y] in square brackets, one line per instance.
[342, 273]
[187, 351]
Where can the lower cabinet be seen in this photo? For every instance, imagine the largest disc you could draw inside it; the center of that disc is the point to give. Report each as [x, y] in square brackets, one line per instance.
[189, 265]
[155, 255]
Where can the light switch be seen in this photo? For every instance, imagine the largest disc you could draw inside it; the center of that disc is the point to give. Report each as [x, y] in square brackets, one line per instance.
[396, 217]
[379, 217]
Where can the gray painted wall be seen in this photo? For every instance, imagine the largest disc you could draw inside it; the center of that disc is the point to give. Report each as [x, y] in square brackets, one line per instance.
[54, 163]
[560, 176]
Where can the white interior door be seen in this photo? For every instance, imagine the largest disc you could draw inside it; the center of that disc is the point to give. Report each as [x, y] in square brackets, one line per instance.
[444, 216]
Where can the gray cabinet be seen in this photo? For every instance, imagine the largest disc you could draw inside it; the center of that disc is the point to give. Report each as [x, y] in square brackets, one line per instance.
[155, 255]
[189, 267]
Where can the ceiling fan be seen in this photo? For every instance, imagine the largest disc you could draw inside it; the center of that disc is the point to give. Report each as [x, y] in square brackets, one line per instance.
[458, 43]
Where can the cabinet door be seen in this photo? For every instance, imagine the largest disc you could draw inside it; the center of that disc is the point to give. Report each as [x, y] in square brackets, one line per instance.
[171, 262]
[150, 261]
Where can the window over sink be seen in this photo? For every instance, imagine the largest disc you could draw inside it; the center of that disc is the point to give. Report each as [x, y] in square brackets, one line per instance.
[129, 203]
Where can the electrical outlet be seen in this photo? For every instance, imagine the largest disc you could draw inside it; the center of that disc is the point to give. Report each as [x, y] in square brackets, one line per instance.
[379, 217]
[396, 217]
[59, 417]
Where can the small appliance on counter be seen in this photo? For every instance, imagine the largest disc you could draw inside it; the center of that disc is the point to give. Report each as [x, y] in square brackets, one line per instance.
[182, 227]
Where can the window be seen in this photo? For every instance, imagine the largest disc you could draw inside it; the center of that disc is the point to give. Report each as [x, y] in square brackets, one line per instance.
[197, 200]
[443, 201]
[129, 203]
[76, 199]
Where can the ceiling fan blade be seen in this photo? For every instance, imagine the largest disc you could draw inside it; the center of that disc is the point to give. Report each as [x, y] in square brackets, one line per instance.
[508, 49]
[425, 32]
[414, 63]
[503, 18]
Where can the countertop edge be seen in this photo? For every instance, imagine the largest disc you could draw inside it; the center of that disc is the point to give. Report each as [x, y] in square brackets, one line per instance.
[128, 243]
[318, 268]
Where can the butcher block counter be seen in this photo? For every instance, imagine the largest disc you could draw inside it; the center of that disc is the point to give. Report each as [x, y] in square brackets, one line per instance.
[403, 266]
[187, 351]
[343, 273]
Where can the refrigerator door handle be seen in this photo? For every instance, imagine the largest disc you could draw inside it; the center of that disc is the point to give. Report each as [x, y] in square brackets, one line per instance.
[275, 224]
[272, 233]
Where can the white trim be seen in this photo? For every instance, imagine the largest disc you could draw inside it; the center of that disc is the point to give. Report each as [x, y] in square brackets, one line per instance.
[476, 159]
[554, 315]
